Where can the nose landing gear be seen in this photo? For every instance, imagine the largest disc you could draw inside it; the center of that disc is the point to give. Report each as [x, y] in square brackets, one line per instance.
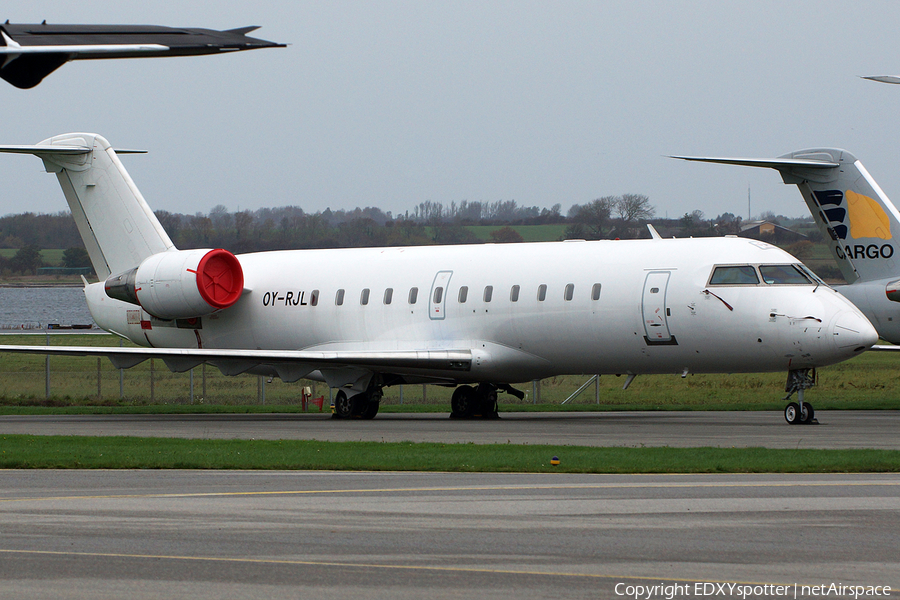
[799, 413]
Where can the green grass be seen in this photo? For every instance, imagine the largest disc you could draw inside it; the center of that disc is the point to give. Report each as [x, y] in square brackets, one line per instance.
[70, 452]
[529, 233]
[52, 256]
[870, 381]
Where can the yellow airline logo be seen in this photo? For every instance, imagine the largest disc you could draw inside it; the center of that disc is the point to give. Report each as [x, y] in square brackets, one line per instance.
[867, 218]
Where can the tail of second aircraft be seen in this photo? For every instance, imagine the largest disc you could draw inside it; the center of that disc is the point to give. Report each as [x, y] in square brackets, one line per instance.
[117, 226]
[849, 207]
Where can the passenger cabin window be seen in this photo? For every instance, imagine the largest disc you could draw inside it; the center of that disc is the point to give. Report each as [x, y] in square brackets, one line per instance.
[734, 275]
[542, 292]
[413, 295]
[783, 275]
[339, 298]
[364, 297]
[595, 292]
[438, 294]
[488, 293]
[314, 298]
[388, 295]
[570, 292]
[514, 294]
[463, 294]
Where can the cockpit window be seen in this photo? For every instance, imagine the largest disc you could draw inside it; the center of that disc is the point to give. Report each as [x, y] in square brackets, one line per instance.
[734, 275]
[783, 275]
[806, 270]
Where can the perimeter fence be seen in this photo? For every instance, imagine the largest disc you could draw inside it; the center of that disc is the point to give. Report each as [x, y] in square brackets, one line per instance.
[63, 380]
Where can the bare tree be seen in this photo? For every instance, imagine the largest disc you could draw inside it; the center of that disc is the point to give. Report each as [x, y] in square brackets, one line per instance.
[633, 207]
[590, 218]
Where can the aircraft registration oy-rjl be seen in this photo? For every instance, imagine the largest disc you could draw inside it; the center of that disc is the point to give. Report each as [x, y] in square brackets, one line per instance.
[477, 317]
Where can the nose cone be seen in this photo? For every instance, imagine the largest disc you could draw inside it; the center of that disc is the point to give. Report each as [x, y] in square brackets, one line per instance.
[853, 333]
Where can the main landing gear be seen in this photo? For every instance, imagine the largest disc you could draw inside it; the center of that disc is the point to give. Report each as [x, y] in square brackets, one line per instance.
[481, 401]
[360, 406]
[799, 413]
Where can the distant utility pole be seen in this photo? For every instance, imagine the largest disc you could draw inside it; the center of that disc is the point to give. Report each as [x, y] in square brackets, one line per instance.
[749, 213]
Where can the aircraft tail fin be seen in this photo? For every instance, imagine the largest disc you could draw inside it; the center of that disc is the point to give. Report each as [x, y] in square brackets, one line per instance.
[117, 226]
[851, 210]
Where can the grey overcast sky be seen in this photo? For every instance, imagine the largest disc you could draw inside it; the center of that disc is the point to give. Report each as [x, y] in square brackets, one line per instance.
[392, 103]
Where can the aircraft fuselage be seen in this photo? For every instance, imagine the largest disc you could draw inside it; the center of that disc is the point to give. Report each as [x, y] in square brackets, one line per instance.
[528, 311]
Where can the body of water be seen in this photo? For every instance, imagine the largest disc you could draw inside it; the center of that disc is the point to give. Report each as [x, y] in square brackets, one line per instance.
[38, 306]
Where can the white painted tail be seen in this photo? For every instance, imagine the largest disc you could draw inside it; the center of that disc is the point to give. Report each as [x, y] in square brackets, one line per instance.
[117, 226]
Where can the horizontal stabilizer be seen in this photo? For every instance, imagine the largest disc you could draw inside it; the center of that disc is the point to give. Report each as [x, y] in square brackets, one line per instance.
[46, 149]
[60, 150]
[771, 163]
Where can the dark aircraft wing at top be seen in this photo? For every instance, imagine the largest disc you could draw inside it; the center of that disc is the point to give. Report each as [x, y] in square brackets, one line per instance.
[28, 53]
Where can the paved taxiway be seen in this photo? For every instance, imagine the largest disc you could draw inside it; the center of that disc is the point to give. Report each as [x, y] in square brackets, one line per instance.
[837, 429]
[201, 534]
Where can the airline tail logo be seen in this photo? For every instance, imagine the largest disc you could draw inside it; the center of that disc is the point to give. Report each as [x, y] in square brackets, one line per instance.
[866, 217]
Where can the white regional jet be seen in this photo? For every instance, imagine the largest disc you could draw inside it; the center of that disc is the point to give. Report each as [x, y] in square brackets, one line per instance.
[862, 224]
[477, 317]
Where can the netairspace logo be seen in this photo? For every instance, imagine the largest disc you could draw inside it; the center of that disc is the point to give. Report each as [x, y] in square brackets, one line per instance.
[744, 590]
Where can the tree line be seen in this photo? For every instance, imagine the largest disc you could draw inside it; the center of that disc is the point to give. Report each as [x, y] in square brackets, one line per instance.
[290, 227]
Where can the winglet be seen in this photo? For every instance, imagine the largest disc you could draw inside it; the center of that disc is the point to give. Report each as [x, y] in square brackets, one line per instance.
[243, 30]
[653, 232]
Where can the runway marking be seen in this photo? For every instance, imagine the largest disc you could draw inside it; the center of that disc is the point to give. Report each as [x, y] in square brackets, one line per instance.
[316, 563]
[586, 486]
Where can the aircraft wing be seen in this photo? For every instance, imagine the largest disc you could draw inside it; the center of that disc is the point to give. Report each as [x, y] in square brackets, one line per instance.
[289, 364]
[885, 348]
[28, 53]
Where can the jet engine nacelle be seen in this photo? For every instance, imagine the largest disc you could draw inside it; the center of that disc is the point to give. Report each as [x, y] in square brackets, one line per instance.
[181, 284]
[892, 290]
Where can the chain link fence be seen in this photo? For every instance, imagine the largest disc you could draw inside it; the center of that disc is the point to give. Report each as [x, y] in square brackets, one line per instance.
[63, 380]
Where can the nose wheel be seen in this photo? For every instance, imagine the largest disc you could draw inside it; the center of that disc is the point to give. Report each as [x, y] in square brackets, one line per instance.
[800, 412]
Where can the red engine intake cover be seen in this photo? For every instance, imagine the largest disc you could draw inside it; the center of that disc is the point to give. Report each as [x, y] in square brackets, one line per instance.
[220, 278]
